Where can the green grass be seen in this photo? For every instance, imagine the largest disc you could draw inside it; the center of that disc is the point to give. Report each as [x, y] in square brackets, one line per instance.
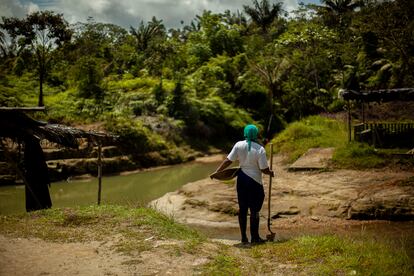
[311, 132]
[223, 263]
[358, 155]
[314, 255]
[82, 224]
[334, 255]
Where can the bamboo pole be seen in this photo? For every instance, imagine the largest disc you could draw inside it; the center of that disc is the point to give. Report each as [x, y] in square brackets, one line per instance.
[99, 172]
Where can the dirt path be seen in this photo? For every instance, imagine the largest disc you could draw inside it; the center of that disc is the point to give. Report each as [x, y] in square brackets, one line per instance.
[20, 256]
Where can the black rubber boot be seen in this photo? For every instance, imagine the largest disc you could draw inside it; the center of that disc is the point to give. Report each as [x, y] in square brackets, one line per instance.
[243, 226]
[254, 228]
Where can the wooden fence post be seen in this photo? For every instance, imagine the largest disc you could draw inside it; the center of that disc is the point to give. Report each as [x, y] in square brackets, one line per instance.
[349, 121]
[99, 172]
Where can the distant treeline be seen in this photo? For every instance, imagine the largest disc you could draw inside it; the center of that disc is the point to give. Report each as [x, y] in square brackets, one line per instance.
[207, 79]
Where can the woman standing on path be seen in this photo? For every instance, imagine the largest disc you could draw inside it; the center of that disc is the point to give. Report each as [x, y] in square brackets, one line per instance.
[250, 193]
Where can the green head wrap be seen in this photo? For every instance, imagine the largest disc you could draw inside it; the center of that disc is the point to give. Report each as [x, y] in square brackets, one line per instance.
[250, 133]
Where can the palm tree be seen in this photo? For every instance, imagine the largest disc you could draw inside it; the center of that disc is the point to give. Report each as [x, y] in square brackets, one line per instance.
[338, 9]
[263, 14]
[145, 33]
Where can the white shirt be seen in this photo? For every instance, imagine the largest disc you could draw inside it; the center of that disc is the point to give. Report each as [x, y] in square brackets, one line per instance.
[251, 162]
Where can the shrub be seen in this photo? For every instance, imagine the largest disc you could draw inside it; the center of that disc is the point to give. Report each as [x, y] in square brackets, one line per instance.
[134, 138]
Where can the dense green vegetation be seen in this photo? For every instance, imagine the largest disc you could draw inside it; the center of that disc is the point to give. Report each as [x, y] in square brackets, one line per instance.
[142, 229]
[171, 88]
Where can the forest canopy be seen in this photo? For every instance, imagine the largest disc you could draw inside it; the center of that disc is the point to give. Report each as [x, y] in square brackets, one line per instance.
[211, 77]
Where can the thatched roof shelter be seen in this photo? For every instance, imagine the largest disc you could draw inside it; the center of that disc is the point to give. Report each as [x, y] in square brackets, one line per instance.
[15, 124]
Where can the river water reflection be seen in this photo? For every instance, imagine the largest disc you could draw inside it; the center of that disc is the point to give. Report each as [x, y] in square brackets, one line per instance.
[132, 189]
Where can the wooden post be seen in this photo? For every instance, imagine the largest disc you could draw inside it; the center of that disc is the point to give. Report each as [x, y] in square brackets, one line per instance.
[99, 172]
[363, 112]
[269, 196]
[349, 121]
[271, 235]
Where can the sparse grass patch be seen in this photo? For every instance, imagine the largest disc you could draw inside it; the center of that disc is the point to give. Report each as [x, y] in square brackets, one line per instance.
[135, 225]
[333, 255]
[223, 263]
[129, 246]
[163, 226]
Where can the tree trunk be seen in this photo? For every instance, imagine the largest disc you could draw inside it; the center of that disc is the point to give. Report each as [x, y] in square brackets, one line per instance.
[40, 103]
[42, 68]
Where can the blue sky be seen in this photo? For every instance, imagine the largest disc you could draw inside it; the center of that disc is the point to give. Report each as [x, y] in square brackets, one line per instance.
[129, 12]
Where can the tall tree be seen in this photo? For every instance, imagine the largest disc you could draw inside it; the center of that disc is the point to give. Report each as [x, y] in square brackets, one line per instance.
[336, 12]
[271, 69]
[150, 44]
[91, 38]
[41, 32]
[263, 14]
[387, 35]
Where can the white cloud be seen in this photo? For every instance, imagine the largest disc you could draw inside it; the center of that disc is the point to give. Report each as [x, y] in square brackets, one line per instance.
[31, 7]
[15, 8]
[129, 12]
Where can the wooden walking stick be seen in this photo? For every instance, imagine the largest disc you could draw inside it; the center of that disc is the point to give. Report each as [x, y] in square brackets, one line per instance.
[271, 235]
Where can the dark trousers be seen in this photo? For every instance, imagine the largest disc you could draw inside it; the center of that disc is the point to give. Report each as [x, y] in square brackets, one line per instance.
[250, 195]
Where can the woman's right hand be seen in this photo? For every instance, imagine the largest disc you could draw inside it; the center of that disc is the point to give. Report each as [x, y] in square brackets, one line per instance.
[268, 172]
